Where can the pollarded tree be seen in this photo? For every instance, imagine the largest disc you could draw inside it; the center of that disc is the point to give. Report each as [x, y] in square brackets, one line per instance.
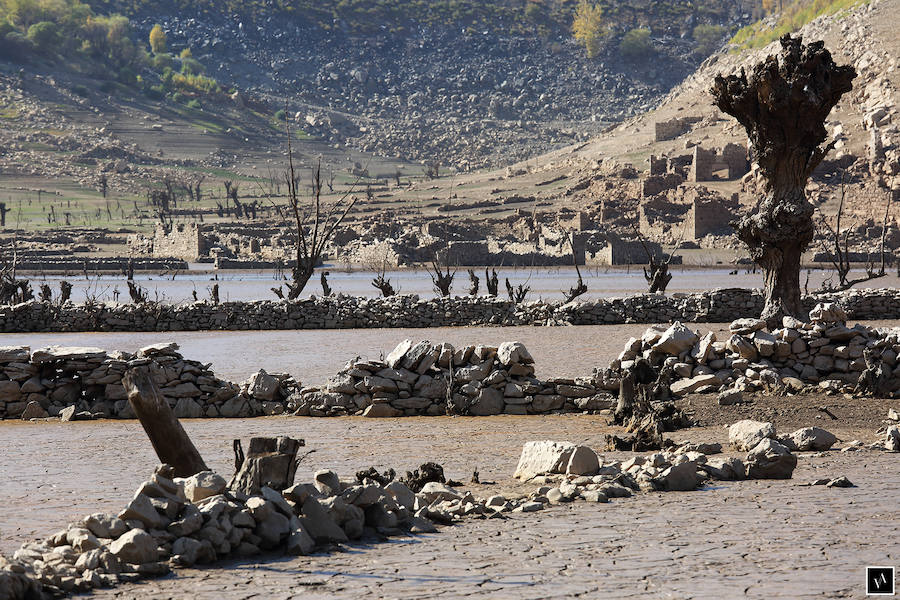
[783, 105]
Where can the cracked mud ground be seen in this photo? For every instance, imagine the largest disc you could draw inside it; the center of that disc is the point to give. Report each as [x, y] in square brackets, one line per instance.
[753, 539]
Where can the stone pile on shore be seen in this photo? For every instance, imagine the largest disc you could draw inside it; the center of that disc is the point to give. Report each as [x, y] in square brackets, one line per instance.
[353, 312]
[436, 379]
[85, 383]
[823, 352]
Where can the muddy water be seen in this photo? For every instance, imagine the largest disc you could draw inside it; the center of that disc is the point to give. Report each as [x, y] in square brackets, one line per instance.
[545, 283]
[315, 355]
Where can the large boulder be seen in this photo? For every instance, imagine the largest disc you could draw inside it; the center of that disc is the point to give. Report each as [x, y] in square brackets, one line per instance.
[397, 354]
[686, 386]
[542, 457]
[381, 410]
[679, 478]
[262, 386]
[810, 438]
[584, 461]
[892, 439]
[135, 547]
[827, 312]
[202, 485]
[489, 401]
[675, 340]
[770, 460]
[510, 353]
[746, 434]
[746, 326]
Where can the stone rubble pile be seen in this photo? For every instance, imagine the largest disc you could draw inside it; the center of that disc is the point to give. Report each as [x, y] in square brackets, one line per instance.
[823, 352]
[581, 473]
[86, 383]
[436, 379]
[409, 311]
[175, 522]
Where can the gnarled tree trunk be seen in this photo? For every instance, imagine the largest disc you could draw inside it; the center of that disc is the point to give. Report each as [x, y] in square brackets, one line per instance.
[783, 106]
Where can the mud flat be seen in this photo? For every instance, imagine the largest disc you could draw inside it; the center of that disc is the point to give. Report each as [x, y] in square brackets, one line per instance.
[752, 538]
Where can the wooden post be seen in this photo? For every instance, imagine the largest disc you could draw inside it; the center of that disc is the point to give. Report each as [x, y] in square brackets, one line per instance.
[170, 441]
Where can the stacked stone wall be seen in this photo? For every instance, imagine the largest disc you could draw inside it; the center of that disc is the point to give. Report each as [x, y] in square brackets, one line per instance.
[352, 312]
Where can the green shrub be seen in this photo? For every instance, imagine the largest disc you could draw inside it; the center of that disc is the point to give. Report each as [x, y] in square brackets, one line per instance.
[80, 90]
[127, 76]
[44, 36]
[636, 44]
[279, 115]
[16, 46]
[108, 87]
[162, 61]
[155, 92]
[178, 97]
[191, 66]
[194, 103]
[708, 38]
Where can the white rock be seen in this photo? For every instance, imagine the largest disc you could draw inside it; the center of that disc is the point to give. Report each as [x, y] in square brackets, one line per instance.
[747, 434]
[675, 340]
[202, 485]
[541, 457]
[135, 547]
[812, 438]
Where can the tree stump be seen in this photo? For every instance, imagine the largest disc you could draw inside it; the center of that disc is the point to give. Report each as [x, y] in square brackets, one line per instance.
[783, 106]
[170, 441]
[269, 462]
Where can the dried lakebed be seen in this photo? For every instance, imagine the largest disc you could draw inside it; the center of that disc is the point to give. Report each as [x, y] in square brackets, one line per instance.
[752, 538]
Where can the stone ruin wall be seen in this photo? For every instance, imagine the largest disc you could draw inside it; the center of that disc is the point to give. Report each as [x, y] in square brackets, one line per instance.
[671, 129]
[408, 311]
[184, 241]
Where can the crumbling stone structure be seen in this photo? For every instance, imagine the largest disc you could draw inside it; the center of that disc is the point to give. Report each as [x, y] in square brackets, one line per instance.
[671, 129]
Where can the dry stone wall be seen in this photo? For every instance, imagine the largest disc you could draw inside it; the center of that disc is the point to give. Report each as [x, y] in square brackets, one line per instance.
[436, 379]
[86, 383]
[823, 352]
[351, 312]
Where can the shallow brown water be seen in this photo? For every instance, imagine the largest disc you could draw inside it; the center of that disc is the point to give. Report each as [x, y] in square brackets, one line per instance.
[315, 355]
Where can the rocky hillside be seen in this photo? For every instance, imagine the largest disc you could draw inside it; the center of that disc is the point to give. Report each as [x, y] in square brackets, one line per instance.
[466, 85]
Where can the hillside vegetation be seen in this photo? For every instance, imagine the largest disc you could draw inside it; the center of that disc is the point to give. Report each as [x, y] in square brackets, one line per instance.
[788, 20]
[514, 16]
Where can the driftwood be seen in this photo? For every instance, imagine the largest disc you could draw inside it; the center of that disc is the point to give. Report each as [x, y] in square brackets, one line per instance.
[270, 461]
[171, 443]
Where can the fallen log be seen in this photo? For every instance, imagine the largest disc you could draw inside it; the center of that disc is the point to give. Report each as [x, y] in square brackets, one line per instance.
[170, 441]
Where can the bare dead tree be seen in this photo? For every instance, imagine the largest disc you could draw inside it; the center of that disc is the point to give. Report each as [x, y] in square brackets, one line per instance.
[838, 247]
[323, 279]
[432, 169]
[656, 273]
[214, 294]
[315, 223]
[473, 285]
[441, 276]
[517, 294]
[46, 294]
[278, 292]
[580, 287]
[384, 285]
[137, 293]
[103, 184]
[783, 105]
[492, 282]
[65, 291]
